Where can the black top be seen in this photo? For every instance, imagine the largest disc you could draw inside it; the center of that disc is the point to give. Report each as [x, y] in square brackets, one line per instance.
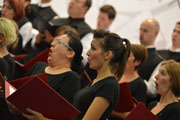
[4, 67]
[79, 24]
[152, 61]
[170, 112]
[66, 84]
[40, 16]
[4, 111]
[168, 54]
[107, 88]
[11, 63]
[138, 89]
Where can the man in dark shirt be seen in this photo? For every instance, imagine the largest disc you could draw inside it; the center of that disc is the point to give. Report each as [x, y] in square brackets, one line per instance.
[77, 11]
[174, 51]
[149, 30]
[41, 14]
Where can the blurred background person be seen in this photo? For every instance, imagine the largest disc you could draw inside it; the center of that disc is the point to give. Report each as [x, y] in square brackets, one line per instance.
[174, 51]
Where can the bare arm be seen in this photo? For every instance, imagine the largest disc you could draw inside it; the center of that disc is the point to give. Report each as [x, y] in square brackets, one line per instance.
[96, 109]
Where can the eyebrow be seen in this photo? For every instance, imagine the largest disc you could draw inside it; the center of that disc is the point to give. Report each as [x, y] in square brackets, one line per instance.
[63, 43]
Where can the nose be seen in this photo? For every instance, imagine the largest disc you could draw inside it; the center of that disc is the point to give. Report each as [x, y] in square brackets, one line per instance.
[72, 1]
[88, 53]
[156, 77]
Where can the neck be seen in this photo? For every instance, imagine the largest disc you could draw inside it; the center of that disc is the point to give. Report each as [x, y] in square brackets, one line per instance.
[77, 16]
[45, 1]
[3, 51]
[103, 72]
[129, 76]
[58, 69]
[168, 98]
[175, 47]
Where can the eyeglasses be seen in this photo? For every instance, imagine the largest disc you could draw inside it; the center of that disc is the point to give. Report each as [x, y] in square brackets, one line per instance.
[62, 43]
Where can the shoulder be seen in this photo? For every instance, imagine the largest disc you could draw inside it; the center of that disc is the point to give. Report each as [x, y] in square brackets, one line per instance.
[40, 65]
[73, 75]
[110, 82]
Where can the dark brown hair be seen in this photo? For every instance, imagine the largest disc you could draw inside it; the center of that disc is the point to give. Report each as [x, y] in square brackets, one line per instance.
[120, 49]
[109, 10]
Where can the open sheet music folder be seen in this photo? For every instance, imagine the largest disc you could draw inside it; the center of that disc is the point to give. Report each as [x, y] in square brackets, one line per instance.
[37, 95]
[41, 57]
[126, 102]
[141, 112]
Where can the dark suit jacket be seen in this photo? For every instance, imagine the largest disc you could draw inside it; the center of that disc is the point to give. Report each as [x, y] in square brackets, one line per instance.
[168, 54]
[40, 16]
[79, 24]
[152, 61]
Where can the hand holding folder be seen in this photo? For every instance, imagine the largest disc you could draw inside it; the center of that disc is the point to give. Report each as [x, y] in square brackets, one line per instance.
[37, 95]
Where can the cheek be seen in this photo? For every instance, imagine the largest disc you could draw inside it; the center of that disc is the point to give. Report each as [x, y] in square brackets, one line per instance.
[96, 61]
[10, 15]
[164, 84]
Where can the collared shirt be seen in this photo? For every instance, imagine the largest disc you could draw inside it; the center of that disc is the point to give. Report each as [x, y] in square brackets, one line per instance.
[174, 50]
[43, 5]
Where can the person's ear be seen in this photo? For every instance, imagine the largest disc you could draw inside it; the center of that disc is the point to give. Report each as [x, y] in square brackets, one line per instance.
[137, 62]
[2, 38]
[71, 54]
[108, 55]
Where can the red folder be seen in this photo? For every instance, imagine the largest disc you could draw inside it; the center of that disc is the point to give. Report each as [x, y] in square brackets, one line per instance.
[42, 57]
[37, 95]
[19, 57]
[125, 103]
[9, 89]
[19, 82]
[141, 112]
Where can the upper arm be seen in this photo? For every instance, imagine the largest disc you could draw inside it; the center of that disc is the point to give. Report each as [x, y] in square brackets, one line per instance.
[96, 109]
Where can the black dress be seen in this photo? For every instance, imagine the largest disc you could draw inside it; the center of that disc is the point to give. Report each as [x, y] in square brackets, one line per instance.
[138, 89]
[4, 67]
[66, 84]
[107, 88]
[11, 63]
[170, 112]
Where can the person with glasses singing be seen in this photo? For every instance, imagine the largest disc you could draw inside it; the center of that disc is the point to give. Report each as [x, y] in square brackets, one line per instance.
[62, 71]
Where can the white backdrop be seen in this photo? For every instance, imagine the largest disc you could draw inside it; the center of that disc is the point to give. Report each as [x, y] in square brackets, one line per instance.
[130, 13]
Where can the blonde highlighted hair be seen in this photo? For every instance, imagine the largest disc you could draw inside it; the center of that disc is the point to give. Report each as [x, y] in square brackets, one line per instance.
[7, 31]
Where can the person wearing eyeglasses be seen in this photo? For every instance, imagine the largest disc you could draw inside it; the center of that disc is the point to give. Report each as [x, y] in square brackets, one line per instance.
[63, 66]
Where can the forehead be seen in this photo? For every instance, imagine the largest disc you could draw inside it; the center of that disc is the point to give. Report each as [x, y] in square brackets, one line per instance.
[80, 1]
[163, 68]
[103, 14]
[146, 25]
[63, 38]
[177, 27]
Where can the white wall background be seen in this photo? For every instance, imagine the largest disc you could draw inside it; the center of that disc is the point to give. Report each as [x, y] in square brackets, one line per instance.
[130, 13]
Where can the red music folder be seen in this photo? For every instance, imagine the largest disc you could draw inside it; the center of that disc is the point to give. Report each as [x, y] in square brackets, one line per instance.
[41, 57]
[141, 112]
[19, 57]
[37, 95]
[19, 82]
[125, 103]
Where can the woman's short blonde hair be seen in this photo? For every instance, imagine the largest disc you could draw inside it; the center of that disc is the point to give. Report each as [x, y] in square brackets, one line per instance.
[7, 31]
